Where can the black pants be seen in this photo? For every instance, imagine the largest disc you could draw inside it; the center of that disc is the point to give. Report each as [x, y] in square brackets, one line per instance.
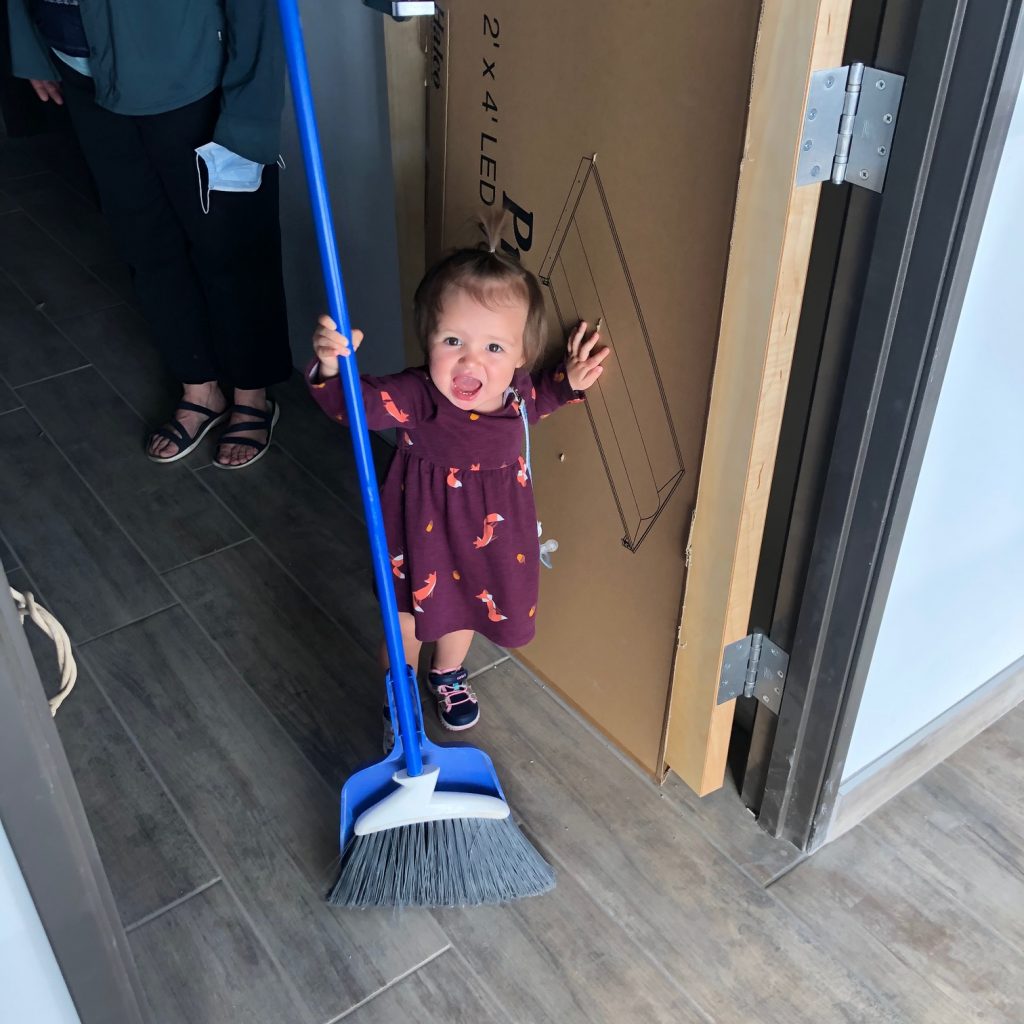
[209, 285]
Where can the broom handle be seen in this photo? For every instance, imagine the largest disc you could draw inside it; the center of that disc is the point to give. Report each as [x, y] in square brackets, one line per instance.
[305, 115]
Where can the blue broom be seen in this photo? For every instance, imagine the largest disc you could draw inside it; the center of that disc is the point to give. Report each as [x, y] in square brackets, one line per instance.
[428, 825]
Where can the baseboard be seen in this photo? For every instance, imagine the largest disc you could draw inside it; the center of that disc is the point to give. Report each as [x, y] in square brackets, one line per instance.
[881, 780]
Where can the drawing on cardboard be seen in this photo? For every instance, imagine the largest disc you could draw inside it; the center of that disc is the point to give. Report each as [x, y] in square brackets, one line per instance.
[586, 272]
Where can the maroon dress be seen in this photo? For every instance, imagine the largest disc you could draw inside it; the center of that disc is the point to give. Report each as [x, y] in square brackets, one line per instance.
[458, 503]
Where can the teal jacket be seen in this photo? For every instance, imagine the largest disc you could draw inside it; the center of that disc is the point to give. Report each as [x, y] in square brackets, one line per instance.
[149, 57]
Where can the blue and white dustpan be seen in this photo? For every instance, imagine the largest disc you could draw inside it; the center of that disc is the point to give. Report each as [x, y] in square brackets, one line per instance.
[429, 825]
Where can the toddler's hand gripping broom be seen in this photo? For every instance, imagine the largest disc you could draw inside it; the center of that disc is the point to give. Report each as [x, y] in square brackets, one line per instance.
[428, 825]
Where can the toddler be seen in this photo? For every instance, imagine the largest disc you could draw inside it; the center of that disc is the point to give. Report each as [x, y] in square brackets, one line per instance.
[458, 499]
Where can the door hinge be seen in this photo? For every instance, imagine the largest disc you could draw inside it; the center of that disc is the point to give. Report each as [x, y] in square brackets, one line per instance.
[848, 127]
[754, 667]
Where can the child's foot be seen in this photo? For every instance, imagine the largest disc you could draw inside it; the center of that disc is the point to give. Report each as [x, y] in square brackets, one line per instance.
[457, 706]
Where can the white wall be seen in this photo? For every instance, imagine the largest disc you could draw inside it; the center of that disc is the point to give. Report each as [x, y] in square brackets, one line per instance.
[31, 986]
[345, 47]
[954, 617]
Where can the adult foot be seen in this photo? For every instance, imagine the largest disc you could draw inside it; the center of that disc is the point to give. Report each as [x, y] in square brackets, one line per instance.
[233, 454]
[209, 396]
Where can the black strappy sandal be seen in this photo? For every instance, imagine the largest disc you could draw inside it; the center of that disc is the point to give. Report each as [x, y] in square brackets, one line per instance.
[264, 419]
[177, 434]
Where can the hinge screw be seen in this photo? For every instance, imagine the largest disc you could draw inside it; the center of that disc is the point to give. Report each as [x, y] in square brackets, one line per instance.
[882, 151]
[830, 81]
[880, 84]
[887, 119]
[815, 171]
[812, 114]
[864, 174]
[807, 146]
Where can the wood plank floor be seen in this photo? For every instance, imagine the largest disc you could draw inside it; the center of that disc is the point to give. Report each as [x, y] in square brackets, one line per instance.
[227, 634]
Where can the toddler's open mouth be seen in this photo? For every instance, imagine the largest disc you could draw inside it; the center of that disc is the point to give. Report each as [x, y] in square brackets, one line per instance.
[465, 388]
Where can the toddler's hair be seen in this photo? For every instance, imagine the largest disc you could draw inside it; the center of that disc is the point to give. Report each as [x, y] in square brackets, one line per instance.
[492, 278]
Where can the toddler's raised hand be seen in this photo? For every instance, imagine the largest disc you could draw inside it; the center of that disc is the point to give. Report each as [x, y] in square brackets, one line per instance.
[328, 344]
[585, 356]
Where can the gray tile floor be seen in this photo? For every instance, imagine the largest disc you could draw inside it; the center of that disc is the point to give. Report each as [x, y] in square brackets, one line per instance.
[226, 635]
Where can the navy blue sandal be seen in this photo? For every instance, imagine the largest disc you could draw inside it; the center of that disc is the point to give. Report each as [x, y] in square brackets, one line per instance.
[174, 432]
[264, 419]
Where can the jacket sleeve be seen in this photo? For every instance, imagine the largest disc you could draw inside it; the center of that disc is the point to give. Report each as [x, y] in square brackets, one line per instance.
[252, 86]
[551, 390]
[29, 55]
[399, 400]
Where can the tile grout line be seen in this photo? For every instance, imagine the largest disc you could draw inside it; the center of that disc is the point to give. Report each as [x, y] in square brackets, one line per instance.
[125, 625]
[208, 554]
[779, 875]
[57, 326]
[391, 984]
[17, 408]
[53, 376]
[173, 905]
[482, 982]
[258, 936]
[487, 668]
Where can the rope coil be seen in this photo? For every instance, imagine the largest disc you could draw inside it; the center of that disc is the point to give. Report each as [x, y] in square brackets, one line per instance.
[29, 609]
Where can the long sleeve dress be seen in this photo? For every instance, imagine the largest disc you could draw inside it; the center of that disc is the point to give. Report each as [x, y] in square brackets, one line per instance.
[458, 503]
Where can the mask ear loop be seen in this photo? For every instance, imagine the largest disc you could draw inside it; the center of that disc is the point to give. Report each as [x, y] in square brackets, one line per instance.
[204, 200]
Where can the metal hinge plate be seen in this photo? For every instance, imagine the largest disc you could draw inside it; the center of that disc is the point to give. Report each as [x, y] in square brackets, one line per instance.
[849, 123]
[754, 667]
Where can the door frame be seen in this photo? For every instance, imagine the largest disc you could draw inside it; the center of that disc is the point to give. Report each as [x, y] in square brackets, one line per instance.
[962, 84]
[46, 825]
[772, 233]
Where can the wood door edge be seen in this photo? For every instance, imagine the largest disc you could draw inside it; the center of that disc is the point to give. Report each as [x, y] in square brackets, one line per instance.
[720, 582]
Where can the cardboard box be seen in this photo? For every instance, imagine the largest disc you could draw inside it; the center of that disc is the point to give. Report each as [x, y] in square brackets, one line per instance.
[612, 133]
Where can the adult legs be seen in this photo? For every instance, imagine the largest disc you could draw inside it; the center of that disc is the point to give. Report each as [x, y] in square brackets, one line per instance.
[235, 249]
[153, 244]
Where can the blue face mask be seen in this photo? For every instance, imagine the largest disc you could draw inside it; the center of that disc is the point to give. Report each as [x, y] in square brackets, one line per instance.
[225, 172]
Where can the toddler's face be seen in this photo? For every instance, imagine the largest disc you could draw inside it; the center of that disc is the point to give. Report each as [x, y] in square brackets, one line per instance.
[475, 351]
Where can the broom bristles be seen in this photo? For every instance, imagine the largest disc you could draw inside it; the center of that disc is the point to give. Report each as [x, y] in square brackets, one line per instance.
[462, 862]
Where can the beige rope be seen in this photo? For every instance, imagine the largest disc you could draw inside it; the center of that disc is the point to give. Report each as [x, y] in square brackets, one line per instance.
[28, 609]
